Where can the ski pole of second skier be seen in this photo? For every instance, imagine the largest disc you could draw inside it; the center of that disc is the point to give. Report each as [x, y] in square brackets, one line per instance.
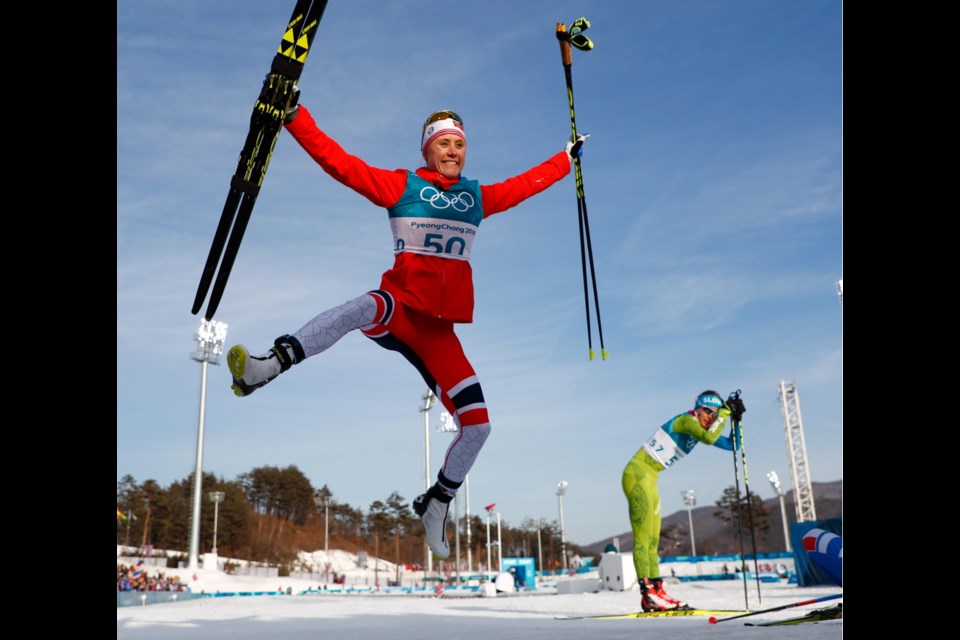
[750, 521]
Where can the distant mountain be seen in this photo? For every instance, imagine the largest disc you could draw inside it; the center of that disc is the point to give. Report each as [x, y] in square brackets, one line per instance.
[712, 536]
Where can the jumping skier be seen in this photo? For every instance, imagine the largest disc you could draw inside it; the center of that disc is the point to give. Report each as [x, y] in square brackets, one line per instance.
[434, 213]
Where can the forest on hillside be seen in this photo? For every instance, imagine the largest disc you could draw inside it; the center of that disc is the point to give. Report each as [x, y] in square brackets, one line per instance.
[270, 514]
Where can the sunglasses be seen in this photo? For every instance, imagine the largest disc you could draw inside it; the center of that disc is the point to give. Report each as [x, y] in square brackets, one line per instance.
[443, 115]
[710, 412]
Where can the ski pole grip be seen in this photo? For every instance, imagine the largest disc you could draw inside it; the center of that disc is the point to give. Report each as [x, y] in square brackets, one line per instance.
[565, 55]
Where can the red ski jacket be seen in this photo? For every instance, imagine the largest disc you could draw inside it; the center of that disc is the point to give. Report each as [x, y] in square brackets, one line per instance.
[433, 285]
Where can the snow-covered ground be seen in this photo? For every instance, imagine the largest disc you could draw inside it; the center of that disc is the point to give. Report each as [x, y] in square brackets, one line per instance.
[309, 614]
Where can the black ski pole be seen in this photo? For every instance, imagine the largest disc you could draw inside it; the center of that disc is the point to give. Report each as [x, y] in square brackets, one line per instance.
[750, 524]
[575, 38]
[735, 404]
[739, 517]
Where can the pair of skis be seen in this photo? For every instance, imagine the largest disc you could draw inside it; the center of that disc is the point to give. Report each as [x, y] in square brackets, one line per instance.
[673, 613]
[269, 110]
[819, 615]
[832, 613]
[714, 620]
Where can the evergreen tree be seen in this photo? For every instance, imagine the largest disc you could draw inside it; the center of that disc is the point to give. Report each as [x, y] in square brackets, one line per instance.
[736, 511]
[670, 540]
[283, 493]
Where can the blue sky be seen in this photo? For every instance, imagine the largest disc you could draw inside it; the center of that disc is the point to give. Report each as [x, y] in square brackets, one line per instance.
[713, 178]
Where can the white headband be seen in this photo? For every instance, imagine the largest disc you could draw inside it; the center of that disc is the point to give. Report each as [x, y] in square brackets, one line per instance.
[439, 128]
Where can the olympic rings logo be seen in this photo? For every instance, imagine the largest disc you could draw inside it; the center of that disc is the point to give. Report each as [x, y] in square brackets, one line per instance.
[461, 202]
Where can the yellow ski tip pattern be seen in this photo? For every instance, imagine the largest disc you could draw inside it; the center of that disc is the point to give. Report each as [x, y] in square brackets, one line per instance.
[293, 47]
[603, 354]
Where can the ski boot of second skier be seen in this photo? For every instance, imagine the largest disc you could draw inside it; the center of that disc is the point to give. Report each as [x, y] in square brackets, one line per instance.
[654, 598]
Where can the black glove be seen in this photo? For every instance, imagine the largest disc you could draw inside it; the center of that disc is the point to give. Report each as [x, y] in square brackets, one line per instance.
[737, 408]
[292, 106]
[279, 92]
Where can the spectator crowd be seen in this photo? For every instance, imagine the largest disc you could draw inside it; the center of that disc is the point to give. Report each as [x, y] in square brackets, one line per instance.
[134, 577]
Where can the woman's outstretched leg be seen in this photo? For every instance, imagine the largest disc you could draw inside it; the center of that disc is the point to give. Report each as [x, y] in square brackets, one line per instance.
[322, 332]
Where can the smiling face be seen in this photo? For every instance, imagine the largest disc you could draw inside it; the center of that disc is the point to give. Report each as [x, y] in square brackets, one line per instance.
[446, 154]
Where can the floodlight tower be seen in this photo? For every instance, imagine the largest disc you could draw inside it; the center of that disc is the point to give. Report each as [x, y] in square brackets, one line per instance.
[216, 497]
[448, 424]
[210, 339]
[561, 491]
[323, 500]
[775, 483]
[797, 452]
[541, 523]
[429, 402]
[489, 509]
[690, 499]
[466, 518]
